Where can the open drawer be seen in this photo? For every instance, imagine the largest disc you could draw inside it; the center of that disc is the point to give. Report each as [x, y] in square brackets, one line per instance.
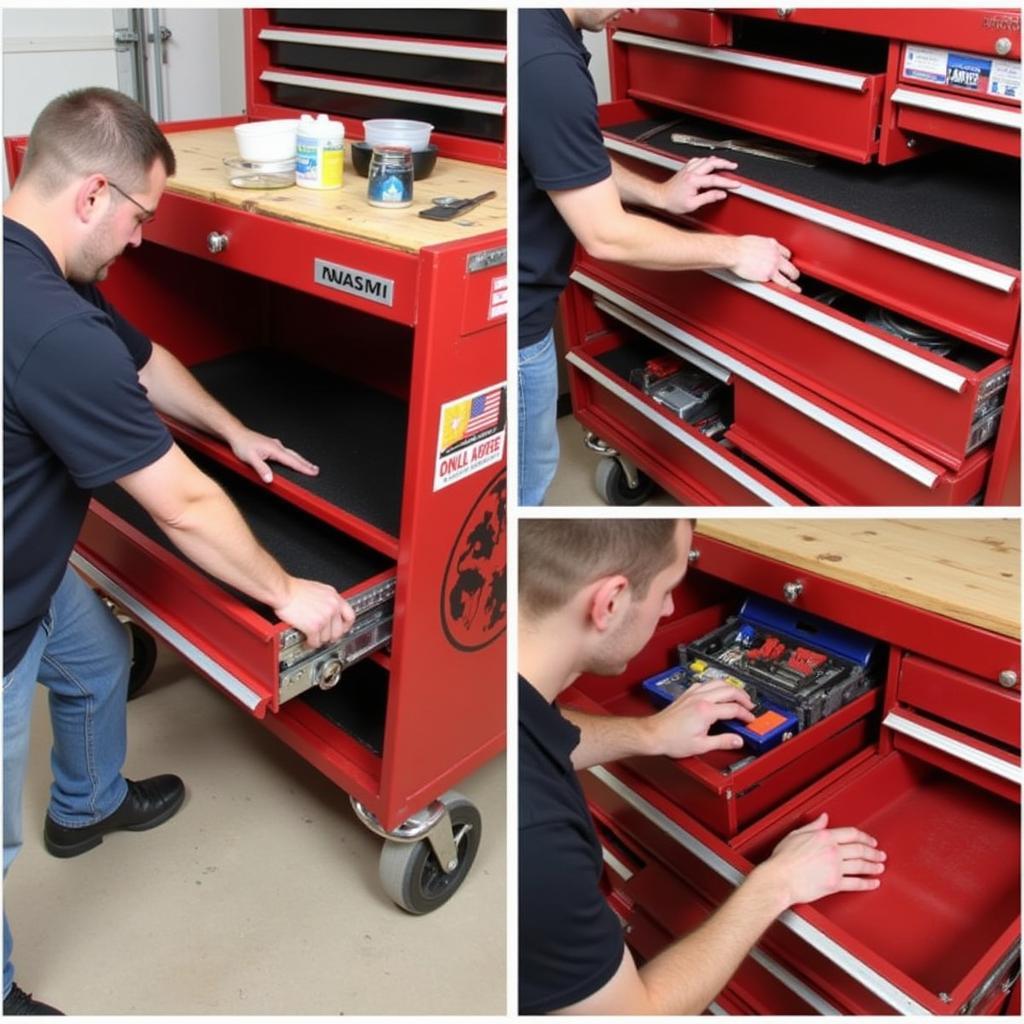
[871, 231]
[835, 109]
[235, 641]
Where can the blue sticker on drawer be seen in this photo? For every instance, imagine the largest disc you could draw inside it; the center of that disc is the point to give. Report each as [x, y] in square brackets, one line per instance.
[965, 72]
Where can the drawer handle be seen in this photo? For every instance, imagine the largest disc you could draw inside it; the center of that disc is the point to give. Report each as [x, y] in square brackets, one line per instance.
[1008, 678]
[792, 590]
[216, 242]
[998, 116]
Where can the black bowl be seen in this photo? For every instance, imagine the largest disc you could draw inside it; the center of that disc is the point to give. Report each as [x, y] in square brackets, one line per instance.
[423, 161]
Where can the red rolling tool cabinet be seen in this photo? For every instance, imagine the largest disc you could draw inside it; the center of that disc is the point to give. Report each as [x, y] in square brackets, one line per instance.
[894, 377]
[927, 761]
[373, 341]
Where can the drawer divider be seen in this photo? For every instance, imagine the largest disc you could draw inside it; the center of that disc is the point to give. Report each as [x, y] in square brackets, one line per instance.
[814, 936]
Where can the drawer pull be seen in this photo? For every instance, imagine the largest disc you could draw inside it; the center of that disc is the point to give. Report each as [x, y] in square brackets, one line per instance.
[216, 242]
[792, 590]
[815, 937]
[1008, 678]
[772, 65]
[834, 222]
[958, 108]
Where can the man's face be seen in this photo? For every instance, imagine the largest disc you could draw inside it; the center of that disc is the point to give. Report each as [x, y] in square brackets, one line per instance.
[594, 19]
[117, 228]
[629, 636]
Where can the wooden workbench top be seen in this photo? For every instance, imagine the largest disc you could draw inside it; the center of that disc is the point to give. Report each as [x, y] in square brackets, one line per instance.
[202, 174]
[965, 569]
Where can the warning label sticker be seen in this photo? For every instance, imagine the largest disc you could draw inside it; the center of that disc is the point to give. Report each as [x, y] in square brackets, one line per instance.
[1005, 79]
[471, 435]
[925, 64]
[498, 306]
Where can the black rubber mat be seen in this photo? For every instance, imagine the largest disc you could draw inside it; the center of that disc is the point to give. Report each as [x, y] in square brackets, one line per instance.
[305, 546]
[358, 704]
[354, 434]
[965, 198]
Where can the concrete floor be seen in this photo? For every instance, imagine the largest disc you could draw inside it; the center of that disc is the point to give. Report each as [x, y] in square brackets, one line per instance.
[260, 897]
[577, 464]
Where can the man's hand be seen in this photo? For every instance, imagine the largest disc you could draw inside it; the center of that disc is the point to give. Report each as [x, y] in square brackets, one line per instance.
[256, 449]
[816, 861]
[697, 184]
[764, 259]
[317, 610]
[681, 729]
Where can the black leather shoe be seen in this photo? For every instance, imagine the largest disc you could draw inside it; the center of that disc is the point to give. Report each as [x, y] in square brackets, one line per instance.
[20, 1004]
[147, 804]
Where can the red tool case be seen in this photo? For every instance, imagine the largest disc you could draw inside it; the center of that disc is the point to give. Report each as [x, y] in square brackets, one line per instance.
[928, 762]
[828, 407]
[355, 366]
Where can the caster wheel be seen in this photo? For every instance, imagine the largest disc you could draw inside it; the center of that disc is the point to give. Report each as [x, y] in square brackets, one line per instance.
[410, 872]
[613, 486]
[143, 658]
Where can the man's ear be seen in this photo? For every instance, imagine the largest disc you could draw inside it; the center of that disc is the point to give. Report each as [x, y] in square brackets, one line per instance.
[91, 198]
[608, 600]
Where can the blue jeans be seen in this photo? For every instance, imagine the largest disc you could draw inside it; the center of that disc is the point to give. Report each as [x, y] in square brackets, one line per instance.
[81, 653]
[538, 419]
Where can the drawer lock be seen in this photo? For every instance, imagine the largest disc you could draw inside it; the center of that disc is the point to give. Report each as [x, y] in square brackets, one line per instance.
[216, 242]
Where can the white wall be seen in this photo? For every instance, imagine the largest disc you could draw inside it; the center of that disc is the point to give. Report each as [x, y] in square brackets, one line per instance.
[597, 44]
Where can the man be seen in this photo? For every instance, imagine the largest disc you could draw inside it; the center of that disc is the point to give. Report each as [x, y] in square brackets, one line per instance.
[571, 190]
[82, 389]
[591, 593]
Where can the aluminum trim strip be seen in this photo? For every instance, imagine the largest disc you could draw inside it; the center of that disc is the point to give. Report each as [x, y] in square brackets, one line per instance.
[713, 369]
[959, 108]
[961, 751]
[615, 864]
[794, 984]
[389, 92]
[717, 1011]
[814, 936]
[945, 378]
[706, 453]
[421, 49]
[823, 76]
[200, 659]
[957, 265]
[883, 452]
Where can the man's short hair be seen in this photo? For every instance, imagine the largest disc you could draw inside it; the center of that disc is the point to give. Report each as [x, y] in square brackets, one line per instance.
[94, 131]
[558, 557]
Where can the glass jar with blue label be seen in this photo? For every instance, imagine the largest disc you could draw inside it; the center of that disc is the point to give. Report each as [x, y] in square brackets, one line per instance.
[389, 182]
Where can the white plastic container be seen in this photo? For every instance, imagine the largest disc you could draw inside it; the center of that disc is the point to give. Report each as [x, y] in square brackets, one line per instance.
[395, 132]
[319, 152]
[266, 140]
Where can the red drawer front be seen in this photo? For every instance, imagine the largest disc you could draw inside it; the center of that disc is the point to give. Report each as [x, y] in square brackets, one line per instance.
[970, 131]
[649, 437]
[980, 705]
[812, 111]
[707, 28]
[902, 400]
[835, 470]
[893, 269]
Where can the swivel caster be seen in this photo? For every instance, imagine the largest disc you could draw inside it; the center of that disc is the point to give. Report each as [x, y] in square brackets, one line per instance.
[619, 482]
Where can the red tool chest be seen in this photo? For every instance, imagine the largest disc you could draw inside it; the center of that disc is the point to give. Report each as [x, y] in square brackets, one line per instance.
[928, 762]
[357, 336]
[920, 244]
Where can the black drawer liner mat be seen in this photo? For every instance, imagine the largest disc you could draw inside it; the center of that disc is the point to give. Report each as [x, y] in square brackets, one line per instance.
[439, 72]
[354, 434]
[440, 23]
[358, 704]
[964, 198]
[304, 545]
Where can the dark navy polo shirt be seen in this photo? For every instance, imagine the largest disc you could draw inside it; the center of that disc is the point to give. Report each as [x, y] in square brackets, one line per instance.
[75, 418]
[560, 148]
[570, 941]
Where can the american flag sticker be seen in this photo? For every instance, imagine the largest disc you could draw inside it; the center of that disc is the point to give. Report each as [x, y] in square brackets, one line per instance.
[471, 435]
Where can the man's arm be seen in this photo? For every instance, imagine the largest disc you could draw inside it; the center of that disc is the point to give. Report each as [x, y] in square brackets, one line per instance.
[680, 730]
[693, 186]
[607, 231]
[173, 390]
[810, 863]
[204, 524]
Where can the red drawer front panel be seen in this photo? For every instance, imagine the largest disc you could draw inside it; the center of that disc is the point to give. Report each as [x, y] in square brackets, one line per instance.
[824, 117]
[920, 411]
[833, 469]
[947, 301]
[706, 28]
[284, 252]
[997, 138]
[976, 704]
[682, 471]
